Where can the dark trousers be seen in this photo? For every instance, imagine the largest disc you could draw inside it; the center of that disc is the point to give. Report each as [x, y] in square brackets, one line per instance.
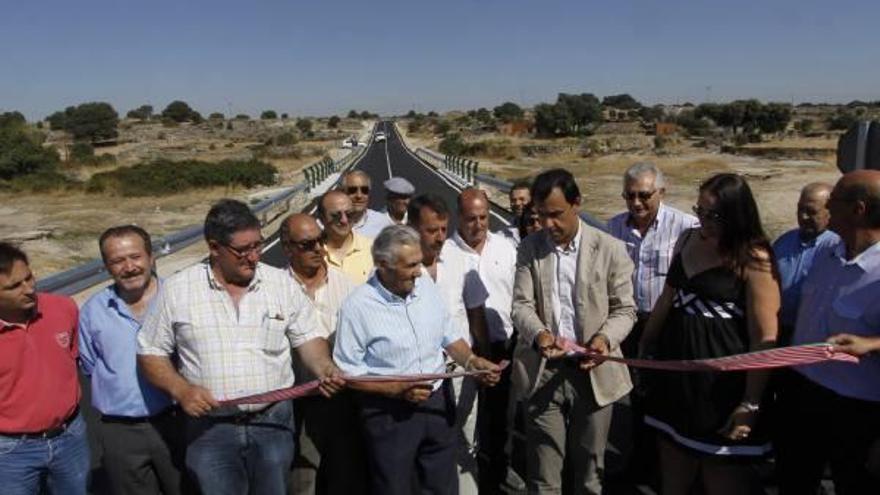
[494, 422]
[815, 427]
[143, 456]
[638, 459]
[401, 437]
[235, 456]
[329, 455]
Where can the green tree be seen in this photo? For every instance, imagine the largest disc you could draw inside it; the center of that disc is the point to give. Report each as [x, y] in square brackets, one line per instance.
[22, 151]
[333, 122]
[842, 121]
[774, 117]
[242, 116]
[284, 116]
[304, 125]
[353, 114]
[693, 125]
[581, 110]
[452, 144]
[143, 112]
[58, 120]
[216, 116]
[804, 126]
[12, 118]
[82, 152]
[508, 112]
[179, 111]
[268, 115]
[652, 114]
[93, 121]
[623, 101]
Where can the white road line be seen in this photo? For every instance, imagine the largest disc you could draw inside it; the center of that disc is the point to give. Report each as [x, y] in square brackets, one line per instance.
[387, 157]
[453, 185]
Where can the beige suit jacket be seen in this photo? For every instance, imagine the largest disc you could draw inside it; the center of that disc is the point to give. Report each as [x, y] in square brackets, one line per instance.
[604, 300]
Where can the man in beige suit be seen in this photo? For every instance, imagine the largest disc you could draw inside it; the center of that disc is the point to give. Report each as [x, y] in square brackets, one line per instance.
[572, 282]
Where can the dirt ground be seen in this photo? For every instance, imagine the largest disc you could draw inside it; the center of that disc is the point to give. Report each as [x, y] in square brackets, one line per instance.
[59, 230]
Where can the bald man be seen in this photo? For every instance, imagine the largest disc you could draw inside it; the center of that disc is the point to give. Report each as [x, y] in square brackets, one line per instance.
[494, 259]
[329, 453]
[346, 250]
[796, 249]
[831, 411]
[364, 221]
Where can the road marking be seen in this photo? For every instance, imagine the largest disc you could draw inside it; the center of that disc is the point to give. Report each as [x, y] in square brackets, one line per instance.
[453, 185]
[387, 157]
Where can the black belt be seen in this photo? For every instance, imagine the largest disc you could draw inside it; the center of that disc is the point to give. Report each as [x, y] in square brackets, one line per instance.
[134, 420]
[47, 434]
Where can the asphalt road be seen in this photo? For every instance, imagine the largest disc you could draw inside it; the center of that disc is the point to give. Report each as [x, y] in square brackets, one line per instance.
[391, 159]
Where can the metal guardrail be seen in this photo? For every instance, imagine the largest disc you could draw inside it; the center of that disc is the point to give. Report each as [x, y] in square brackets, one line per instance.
[82, 277]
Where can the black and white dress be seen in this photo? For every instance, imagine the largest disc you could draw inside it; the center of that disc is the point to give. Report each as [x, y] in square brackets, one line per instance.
[707, 320]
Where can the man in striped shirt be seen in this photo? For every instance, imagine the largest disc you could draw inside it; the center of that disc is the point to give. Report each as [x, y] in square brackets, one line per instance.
[329, 458]
[649, 229]
[230, 322]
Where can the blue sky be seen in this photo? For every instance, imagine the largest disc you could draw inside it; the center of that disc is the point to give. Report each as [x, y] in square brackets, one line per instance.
[325, 57]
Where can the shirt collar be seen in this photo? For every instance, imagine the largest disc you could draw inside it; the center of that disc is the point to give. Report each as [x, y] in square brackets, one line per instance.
[213, 283]
[661, 211]
[572, 246]
[114, 300]
[390, 297]
[815, 240]
[6, 325]
[867, 260]
[463, 245]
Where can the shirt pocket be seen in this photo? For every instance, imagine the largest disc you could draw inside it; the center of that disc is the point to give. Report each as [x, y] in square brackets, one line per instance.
[847, 316]
[662, 260]
[271, 335]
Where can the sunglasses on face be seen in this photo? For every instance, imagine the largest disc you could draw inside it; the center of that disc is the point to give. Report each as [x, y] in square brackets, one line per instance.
[355, 189]
[642, 195]
[336, 216]
[245, 251]
[310, 244]
[707, 214]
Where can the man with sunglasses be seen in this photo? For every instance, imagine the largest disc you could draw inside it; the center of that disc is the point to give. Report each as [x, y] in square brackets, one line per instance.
[364, 221]
[346, 250]
[649, 229]
[224, 329]
[329, 457]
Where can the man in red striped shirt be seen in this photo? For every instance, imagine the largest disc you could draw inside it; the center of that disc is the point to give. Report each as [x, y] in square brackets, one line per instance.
[42, 434]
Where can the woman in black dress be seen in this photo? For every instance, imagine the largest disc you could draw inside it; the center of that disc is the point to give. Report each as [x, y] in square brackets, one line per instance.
[721, 298]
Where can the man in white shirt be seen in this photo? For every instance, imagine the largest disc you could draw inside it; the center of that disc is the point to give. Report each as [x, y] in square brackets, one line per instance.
[519, 196]
[329, 458]
[465, 296]
[494, 258]
[364, 221]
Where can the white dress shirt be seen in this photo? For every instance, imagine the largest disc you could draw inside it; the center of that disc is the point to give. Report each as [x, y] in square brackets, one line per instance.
[496, 266]
[460, 285]
[372, 223]
[564, 289]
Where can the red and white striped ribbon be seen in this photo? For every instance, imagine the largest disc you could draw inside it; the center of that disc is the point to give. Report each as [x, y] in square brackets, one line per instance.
[758, 360]
[311, 388]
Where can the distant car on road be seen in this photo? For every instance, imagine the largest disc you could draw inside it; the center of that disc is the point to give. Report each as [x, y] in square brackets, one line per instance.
[349, 143]
[380, 136]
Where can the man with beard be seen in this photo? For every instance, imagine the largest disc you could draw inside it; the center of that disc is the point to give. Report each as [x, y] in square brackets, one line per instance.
[329, 457]
[398, 192]
[346, 250]
[366, 222]
[398, 323]
[139, 428]
[465, 296]
[494, 260]
[796, 249]
[231, 322]
[42, 434]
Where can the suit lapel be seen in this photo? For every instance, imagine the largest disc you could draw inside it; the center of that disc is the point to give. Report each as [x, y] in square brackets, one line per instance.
[547, 270]
[586, 259]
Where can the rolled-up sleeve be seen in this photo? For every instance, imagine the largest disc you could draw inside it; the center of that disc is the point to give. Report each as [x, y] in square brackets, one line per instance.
[349, 350]
[156, 336]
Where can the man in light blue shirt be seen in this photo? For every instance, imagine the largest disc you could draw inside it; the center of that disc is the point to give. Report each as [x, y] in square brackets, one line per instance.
[137, 420]
[397, 323]
[796, 248]
[829, 411]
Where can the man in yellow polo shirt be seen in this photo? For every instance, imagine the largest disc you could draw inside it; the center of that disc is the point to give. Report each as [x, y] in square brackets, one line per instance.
[346, 250]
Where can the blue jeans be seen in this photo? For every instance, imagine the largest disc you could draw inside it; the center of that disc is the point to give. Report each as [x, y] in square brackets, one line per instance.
[63, 461]
[226, 457]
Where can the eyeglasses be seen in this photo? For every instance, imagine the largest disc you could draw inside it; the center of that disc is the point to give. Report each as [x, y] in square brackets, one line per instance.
[244, 252]
[642, 195]
[310, 244]
[355, 189]
[336, 216]
[706, 213]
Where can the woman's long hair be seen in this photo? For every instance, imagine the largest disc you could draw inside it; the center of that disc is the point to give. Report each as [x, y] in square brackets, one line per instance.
[741, 231]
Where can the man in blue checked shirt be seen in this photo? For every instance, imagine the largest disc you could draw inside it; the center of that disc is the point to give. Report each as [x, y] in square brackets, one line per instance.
[138, 423]
[397, 323]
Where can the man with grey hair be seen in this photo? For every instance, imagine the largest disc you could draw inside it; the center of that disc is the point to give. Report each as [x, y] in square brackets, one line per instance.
[397, 323]
[796, 249]
[649, 229]
[364, 221]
